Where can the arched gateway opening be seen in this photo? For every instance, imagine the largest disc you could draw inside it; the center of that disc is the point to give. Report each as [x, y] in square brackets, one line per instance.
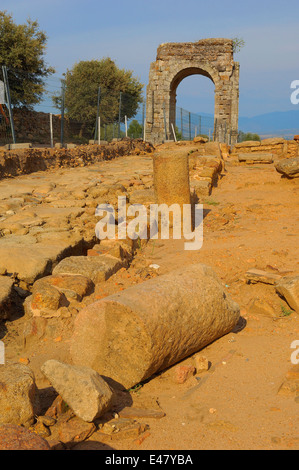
[212, 58]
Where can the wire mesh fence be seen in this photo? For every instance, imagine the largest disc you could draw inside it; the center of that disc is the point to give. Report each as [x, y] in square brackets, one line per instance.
[5, 123]
[40, 113]
[127, 120]
[45, 112]
[190, 125]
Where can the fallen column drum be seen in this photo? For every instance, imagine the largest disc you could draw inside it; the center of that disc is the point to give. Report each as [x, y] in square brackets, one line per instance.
[144, 329]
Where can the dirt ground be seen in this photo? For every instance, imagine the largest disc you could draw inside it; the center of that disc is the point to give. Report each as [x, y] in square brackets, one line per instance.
[250, 221]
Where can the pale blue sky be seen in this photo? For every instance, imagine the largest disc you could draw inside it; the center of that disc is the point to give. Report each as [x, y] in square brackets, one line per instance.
[130, 31]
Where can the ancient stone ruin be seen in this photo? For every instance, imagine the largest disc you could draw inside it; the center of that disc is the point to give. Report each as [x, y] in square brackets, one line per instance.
[212, 58]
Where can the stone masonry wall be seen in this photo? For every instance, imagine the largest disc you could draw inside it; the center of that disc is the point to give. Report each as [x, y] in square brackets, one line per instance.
[212, 58]
[279, 147]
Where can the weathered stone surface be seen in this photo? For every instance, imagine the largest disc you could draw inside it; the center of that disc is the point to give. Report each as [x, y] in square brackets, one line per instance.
[98, 268]
[27, 264]
[46, 297]
[122, 249]
[83, 389]
[6, 286]
[131, 335]
[17, 394]
[200, 140]
[272, 141]
[201, 188]
[279, 148]
[171, 178]
[288, 287]
[75, 430]
[257, 275]
[13, 437]
[201, 363]
[73, 286]
[123, 428]
[288, 167]
[255, 157]
[247, 143]
[37, 259]
[183, 373]
[176, 61]
[25, 161]
[143, 196]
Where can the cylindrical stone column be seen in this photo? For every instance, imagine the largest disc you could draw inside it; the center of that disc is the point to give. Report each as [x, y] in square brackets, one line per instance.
[144, 329]
[171, 177]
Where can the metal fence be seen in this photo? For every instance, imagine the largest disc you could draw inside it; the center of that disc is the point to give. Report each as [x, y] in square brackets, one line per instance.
[189, 125]
[48, 122]
[115, 114]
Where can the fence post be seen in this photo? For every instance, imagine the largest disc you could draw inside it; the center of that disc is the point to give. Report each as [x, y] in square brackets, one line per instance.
[119, 114]
[6, 85]
[173, 131]
[62, 112]
[216, 131]
[98, 113]
[126, 126]
[189, 125]
[51, 130]
[99, 130]
[182, 124]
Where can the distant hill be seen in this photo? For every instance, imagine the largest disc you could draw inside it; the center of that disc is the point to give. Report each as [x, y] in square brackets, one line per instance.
[279, 123]
[282, 123]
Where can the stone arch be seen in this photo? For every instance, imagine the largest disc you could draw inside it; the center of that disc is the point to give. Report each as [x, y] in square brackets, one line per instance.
[212, 58]
[183, 72]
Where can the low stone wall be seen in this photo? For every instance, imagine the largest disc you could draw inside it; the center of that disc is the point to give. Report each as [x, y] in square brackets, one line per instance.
[280, 148]
[25, 161]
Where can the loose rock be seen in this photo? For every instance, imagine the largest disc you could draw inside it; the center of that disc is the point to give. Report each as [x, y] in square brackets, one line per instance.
[13, 437]
[288, 287]
[288, 167]
[83, 389]
[17, 394]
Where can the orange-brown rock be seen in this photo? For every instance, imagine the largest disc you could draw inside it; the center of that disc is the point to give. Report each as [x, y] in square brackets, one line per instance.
[14, 437]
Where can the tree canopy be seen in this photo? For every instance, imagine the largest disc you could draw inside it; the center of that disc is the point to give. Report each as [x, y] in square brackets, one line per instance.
[242, 137]
[117, 86]
[238, 44]
[22, 49]
[135, 129]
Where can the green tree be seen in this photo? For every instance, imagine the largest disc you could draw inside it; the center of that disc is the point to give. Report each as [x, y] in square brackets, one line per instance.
[22, 49]
[238, 44]
[135, 130]
[119, 91]
[242, 137]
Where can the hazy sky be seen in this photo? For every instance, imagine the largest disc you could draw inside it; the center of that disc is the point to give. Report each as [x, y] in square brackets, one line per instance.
[130, 31]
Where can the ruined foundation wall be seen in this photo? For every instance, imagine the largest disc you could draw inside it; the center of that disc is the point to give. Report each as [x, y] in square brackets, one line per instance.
[278, 147]
[26, 161]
